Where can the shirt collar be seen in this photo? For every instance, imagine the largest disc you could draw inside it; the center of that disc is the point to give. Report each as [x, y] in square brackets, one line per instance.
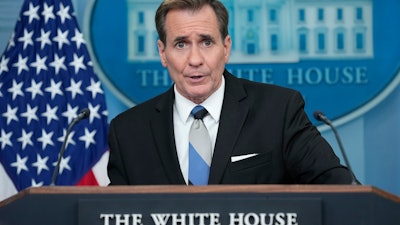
[213, 104]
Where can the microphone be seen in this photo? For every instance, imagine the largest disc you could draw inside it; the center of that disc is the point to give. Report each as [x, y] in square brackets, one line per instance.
[82, 115]
[320, 116]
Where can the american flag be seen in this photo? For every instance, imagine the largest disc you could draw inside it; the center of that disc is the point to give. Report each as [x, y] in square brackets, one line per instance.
[46, 79]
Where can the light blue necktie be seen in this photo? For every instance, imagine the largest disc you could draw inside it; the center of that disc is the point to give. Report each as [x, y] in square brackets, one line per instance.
[200, 149]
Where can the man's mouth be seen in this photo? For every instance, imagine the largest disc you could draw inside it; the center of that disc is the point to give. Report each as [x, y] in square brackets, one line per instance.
[196, 77]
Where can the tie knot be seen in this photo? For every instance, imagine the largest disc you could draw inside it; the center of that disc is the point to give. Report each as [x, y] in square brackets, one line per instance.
[199, 112]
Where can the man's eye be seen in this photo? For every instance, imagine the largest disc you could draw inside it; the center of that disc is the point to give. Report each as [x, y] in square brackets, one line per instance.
[207, 43]
[180, 45]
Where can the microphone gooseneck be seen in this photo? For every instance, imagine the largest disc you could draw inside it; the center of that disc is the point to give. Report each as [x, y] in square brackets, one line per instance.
[82, 115]
[320, 116]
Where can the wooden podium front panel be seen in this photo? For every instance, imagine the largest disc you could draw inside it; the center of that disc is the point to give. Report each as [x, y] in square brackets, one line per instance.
[219, 204]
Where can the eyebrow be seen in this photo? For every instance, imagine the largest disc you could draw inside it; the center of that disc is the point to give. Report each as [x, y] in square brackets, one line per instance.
[206, 36]
[180, 38]
[203, 36]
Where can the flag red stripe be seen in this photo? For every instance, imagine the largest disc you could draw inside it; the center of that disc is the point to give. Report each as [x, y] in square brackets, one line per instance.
[88, 179]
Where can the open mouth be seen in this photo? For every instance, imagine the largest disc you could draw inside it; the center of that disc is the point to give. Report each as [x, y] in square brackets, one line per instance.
[196, 77]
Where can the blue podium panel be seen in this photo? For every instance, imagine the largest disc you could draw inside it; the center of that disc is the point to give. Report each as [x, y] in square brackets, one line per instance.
[201, 209]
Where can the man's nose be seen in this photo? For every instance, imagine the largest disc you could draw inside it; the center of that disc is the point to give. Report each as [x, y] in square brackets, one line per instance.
[195, 56]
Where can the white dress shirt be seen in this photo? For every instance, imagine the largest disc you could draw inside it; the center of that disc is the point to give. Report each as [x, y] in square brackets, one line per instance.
[183, 120]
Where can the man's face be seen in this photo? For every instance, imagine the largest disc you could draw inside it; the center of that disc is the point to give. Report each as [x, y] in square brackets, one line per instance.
[194, 52]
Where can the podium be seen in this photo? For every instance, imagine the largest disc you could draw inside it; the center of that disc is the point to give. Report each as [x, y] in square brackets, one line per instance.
[203, 205]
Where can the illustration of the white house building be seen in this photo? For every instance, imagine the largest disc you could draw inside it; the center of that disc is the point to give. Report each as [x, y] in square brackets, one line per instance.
[273, 30]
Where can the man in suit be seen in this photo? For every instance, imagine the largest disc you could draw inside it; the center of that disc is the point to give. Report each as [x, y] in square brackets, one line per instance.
[260, 133]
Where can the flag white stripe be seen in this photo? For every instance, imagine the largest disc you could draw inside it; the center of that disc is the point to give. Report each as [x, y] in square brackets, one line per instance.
[7, 188]
[100, 170]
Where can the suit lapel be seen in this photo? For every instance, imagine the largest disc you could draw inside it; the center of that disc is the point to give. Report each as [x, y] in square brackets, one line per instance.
[163, 130]
[234, 108]
[233, 114]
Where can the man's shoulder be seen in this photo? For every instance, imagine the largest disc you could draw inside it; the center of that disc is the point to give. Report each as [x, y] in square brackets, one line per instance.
[144, 109]
[258, 87]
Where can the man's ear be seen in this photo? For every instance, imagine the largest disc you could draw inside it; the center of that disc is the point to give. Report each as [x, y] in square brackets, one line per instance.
[161, 52]
[227, 45]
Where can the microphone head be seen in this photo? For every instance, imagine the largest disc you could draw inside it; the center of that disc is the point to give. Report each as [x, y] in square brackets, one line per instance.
[318, 115]
[84, 113]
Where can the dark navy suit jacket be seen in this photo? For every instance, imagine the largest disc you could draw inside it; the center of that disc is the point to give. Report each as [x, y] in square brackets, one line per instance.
[261, 119]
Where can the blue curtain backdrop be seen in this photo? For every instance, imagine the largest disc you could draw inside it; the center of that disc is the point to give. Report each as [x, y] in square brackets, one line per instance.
[371, 139]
